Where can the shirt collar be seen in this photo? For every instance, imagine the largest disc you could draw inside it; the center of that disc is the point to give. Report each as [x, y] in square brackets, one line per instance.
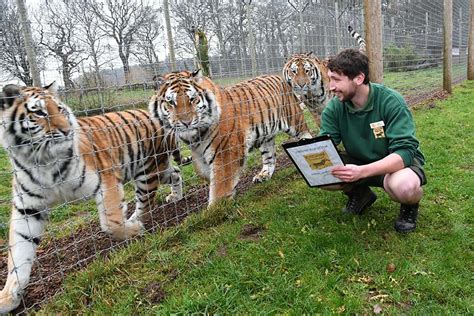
[368, 106]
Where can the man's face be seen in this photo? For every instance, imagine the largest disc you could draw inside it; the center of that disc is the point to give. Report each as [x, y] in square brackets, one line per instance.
[343, 87]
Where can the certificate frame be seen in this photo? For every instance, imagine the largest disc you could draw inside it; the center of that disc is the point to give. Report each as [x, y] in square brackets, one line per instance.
[314, 159]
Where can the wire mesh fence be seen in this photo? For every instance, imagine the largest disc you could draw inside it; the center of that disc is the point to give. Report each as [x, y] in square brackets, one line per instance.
[93, 162]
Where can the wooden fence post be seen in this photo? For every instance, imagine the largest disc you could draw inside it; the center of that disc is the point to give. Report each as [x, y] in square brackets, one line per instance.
[470, 45]
[169, 35]
[373, 36]
[28, 40]
[448, 45]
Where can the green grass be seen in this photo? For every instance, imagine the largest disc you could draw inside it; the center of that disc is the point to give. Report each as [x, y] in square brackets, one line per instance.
[421, 81]
[308, 256]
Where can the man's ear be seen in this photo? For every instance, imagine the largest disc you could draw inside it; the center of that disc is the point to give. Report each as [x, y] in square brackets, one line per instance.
[359, 79]
[8, 96]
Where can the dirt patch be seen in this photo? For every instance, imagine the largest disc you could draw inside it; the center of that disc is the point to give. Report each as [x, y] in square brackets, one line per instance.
[60, 257]
[154, 293]
[222, 251]
[251, 232]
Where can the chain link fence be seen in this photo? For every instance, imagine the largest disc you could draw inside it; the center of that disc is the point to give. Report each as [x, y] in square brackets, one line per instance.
[101, 73]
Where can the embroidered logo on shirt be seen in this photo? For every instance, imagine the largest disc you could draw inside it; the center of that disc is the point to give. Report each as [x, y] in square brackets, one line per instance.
[377, 128]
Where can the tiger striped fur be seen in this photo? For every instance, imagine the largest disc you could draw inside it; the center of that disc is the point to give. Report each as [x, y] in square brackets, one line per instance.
[308, 77]
[222, 126]
[59, 159]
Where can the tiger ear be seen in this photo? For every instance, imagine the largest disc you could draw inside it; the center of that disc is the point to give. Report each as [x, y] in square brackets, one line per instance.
[8, 96]
[158, 80]
[52, 88]
[197, 75]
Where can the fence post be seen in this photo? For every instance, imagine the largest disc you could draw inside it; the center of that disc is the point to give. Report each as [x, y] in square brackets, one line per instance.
[251, 39]
[28, 39]
[470, 45]
[373, 34]
[169, 35]
[447, 45]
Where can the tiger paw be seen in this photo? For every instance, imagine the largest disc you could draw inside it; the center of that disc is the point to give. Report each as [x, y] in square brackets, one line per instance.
[261, 177]
[8, 302]
[172, 197]
[133, 228]
[129, 229]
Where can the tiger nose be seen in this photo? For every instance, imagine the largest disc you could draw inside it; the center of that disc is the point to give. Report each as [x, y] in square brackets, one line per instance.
[302, 86]
[186, 123]
[65, 132]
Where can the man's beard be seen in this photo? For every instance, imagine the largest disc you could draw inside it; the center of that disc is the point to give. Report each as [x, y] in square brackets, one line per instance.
[347, 96]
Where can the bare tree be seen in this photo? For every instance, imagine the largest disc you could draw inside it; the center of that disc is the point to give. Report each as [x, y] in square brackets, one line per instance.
[184, 14]
[13, 56]
[146, 45]
[58, 33]
[91, 38]
[122, 20]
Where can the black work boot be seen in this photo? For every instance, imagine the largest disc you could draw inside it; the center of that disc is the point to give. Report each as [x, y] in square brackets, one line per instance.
[360, 198]
[406, 221]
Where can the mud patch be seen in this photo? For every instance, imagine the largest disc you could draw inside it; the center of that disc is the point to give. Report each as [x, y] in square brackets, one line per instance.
[154, 293]
[251, 232]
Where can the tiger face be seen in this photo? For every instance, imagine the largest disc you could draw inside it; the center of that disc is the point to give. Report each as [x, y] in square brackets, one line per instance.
[43, 126]
[185, 103]
[306, 75]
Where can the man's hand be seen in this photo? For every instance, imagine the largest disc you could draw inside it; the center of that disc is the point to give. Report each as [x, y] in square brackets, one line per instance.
[348, 173]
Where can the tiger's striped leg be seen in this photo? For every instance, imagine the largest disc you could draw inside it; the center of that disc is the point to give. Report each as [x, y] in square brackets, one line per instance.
[146, 190]
[113, 208]
[269, 161]
[172, 176]
[26, 229]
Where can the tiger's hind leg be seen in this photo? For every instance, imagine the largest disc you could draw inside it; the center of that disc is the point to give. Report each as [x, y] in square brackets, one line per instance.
[26, 229]
[113, 208]
[268, 160]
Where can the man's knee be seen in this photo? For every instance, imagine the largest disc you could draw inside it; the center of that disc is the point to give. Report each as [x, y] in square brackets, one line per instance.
[404, 187]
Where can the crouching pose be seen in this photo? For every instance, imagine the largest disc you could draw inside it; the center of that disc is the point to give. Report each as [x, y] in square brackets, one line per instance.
[377, 130]
[221, 126]
[57, 159]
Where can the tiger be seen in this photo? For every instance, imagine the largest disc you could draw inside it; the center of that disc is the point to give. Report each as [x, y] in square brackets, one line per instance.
[58, 158]
[222, 125]
[308, 77]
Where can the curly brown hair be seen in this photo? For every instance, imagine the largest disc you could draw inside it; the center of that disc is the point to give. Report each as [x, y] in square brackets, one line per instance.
[350, 62]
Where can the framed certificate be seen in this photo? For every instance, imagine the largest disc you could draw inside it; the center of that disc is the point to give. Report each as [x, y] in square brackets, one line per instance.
[314, 159]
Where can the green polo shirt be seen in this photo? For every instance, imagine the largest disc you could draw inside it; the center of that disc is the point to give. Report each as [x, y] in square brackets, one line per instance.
[383, 126]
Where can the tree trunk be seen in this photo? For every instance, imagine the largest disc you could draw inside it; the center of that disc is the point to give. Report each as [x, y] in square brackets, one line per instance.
[126, 66]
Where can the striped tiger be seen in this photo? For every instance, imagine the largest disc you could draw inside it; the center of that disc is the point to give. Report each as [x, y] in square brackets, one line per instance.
[221, 126]
[58, 158]
[308, 77]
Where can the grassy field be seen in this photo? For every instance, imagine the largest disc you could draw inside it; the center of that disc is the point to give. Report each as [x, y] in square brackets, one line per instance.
[284, 248]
